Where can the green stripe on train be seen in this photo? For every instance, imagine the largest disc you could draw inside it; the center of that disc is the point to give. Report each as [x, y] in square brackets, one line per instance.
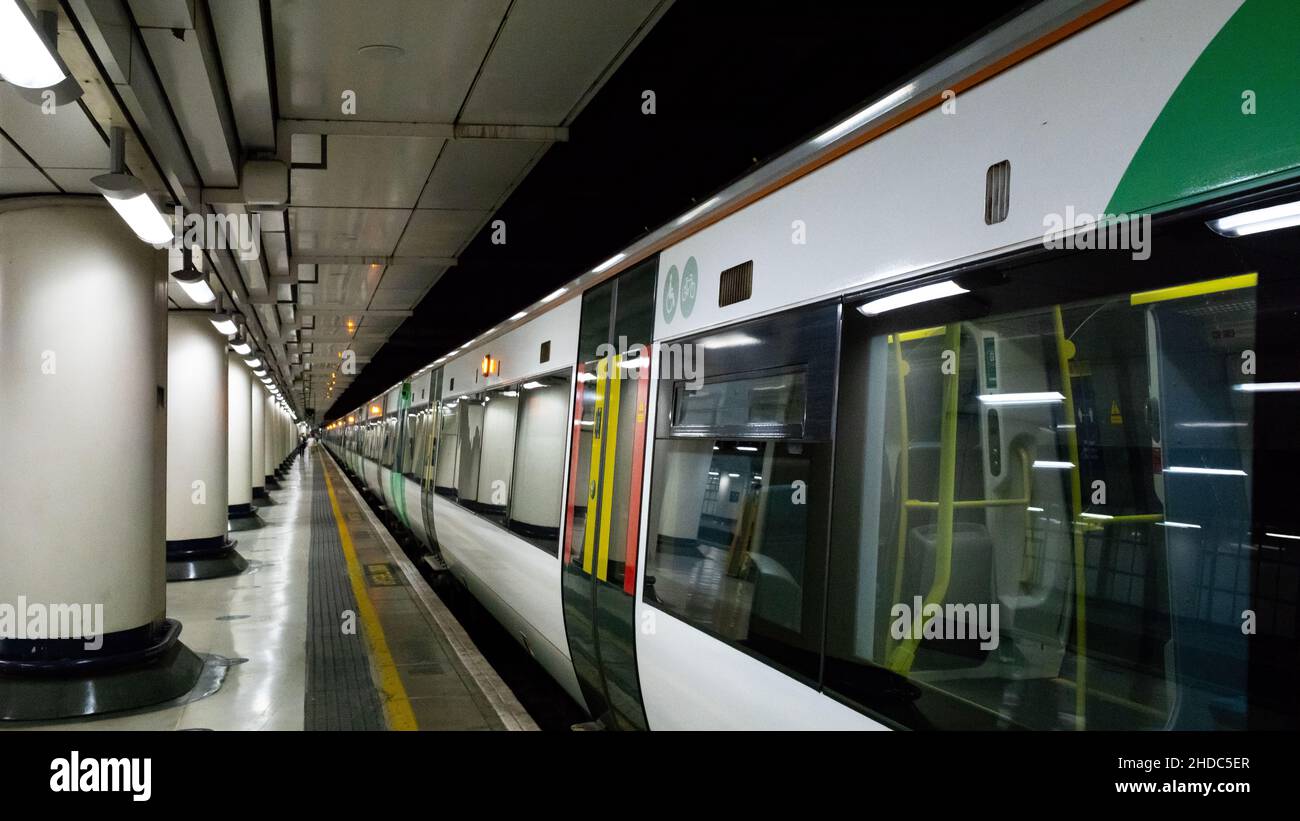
[1204, 141]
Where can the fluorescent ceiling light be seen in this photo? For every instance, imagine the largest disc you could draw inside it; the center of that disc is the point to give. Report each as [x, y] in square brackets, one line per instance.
[518, 316]
[1205, 471]
[224, 323]
[609, 263]
[734, 475]
[194, 283]
[1182, 525]
[879, 107]
[1267, 387]
[511, 394]
[241, 347]
[1258, 220]
[1102, 516]
[1283, 536]
[1041, 398]
[554, 295]
[926, 293]
[137, 210]
[253, 363]
[25, 58]
[259, 373]
[530, 386]
[1034, 509]
[747, 448]
[1050, 465]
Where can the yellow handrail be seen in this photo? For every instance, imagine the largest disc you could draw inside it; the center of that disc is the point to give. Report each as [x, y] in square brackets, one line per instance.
[905, 653]
[1064, 353]
[904, 444]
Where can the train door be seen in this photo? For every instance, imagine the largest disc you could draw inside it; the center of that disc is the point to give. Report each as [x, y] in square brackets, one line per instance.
[611, 397]
[426, 459]
[396, 477]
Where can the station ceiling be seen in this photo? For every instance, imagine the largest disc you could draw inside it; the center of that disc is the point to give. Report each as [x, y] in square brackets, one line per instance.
[410, 126]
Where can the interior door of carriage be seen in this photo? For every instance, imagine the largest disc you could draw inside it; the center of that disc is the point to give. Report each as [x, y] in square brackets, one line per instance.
[603, 508]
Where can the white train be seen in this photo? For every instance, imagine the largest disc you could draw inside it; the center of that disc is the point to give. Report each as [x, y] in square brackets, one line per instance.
[888, 434]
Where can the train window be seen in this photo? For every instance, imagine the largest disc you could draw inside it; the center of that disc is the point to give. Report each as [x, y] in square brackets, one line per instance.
[751, 406]
[446, 462]
[539, 460]
[485, 441]
[739, 499]
[1043, 515]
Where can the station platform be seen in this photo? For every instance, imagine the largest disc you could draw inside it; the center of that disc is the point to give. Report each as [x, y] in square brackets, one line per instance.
[330, 628]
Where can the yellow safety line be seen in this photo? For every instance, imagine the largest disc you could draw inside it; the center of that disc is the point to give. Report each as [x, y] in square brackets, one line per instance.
[611, 454]
[1209, 286]
[397, 705]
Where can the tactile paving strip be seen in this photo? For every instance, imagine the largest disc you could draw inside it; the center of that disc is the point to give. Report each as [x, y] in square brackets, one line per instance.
[340, 692]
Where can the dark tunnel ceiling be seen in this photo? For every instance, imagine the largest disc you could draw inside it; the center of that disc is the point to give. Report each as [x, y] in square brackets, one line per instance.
[736, 82]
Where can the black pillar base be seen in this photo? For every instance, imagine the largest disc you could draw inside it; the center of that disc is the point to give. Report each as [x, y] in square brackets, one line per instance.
[272, 482]
[194, 559]
[241, 511]
[259, 492]
[135, 668]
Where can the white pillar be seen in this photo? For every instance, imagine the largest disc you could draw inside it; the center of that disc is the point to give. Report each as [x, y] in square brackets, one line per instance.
[240, 488]
[257, 408]
[83, 380]
[269, 459]
[197, 412]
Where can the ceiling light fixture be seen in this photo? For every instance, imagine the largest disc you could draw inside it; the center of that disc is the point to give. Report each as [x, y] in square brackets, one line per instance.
[223, 321]
[193, 281]
[128, 196]
[29, 55]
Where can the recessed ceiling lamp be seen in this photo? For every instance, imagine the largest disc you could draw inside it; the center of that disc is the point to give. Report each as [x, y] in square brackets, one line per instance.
[128, 196]
[381, 50]
[193, 281]
[29, 56]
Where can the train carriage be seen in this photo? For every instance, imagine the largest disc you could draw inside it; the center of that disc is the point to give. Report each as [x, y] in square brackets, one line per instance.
[970, 412]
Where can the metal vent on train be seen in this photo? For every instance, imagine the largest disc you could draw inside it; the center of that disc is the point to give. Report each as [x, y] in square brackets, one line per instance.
[997, 192]
[736, 284]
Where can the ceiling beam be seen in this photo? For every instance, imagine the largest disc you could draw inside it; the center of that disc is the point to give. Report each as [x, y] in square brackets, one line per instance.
[286, 128]
[327, 259]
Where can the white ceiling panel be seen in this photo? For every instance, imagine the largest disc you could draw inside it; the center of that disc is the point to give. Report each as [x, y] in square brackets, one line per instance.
[18, 176]
[411, 276]
[476, 174]
[367, 172]
[64, 139]
[346, 231]
[549, 54]
[321, 52]
[437, 233]
[397, 298]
